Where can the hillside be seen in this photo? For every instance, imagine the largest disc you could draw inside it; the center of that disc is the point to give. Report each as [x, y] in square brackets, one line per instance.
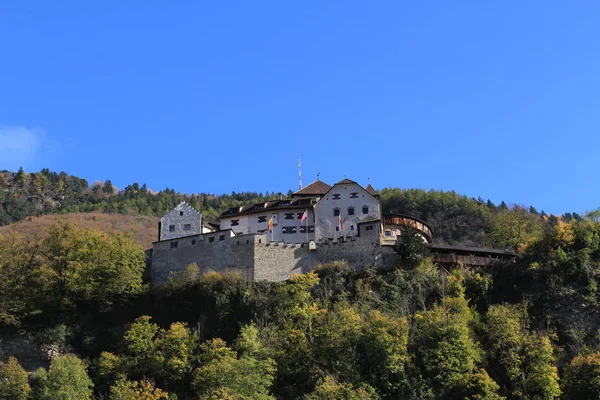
[456, 219]
[143, 229]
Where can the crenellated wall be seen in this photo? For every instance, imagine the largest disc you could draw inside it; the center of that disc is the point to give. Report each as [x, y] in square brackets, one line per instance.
[258, 259]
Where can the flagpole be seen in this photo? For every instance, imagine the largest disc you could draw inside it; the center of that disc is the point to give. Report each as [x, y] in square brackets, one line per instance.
[307, 226]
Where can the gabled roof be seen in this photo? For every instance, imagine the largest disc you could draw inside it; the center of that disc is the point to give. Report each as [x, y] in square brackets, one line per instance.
[345, 181]
[371, 190]
[316, 188]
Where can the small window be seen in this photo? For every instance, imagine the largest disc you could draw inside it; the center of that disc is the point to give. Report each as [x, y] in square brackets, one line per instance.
[193, 242]
[365, 210]
[311, 229]
[173, 245]
[354, 195]
[289, 230]
[388, 232]
[289, 216]
[187, 227]
[221, 237]
[336, 196]
[336, 212]
[171, 228]
[211, 239]
[299, 215]
[351, 211]
[351, 227]
[181, 213]
[235, 222]
[337, 228]
[262, 219]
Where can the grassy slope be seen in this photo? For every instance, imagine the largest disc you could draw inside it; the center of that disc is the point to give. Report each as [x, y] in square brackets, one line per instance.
[142, 228]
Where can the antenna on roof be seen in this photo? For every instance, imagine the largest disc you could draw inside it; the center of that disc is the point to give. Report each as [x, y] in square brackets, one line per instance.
[299, 174]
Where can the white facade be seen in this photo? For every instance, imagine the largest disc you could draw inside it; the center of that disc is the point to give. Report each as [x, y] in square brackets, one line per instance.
[286, 224]
[347, 200]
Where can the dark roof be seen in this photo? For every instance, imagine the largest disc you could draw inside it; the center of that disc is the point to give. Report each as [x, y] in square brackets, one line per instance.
[471, 250]
[316, 188]
[345, 181]
[267, 206]
[371, 190]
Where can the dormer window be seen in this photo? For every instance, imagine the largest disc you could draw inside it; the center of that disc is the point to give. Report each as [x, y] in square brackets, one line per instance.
[336, 196]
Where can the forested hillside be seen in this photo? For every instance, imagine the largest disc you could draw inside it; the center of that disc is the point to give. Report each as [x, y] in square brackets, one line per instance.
[523, 330]
[456, 219]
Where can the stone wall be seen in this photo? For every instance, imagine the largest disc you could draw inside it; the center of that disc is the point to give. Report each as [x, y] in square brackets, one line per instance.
[180, 217]
[231, 254]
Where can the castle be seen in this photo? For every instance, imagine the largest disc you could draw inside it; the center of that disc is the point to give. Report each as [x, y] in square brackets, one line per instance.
[274, 239]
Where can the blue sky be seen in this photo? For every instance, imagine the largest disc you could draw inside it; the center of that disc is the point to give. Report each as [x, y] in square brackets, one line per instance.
[494, 100]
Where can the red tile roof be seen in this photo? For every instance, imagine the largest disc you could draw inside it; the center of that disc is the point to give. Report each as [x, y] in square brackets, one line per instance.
[371, 190]
[315, 188]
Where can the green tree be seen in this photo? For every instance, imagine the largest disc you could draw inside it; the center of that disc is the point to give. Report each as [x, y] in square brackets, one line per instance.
[66, 379]
[14, 383]
[108, 187]
[524, 360]
[411, 247]
[384, 351]
[93, 266]
[512, 228]
[221, 370]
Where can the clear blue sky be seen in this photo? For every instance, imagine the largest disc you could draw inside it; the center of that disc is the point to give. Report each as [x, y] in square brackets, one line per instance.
[495, 100]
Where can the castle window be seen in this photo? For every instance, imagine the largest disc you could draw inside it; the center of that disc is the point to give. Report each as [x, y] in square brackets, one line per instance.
[193, 242]
[388, 232]
[171, 228]
[311, 229]
[365, 210]
[235, 222]
[302, 229]
[187, 227]
[289, 216]
[181, 213]
[211, 239]
[354, 195]
[350, 210]
[299, 216]
[289, 230]
[337, 228]
[173, 245]
[262, 219]
[351, 227]
[336, 196]
[221, 237]
[336, 212]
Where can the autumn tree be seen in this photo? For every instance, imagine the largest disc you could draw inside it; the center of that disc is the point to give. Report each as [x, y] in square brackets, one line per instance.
[14, 383]
[137, 390]
[582, 377]
[329, 389]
